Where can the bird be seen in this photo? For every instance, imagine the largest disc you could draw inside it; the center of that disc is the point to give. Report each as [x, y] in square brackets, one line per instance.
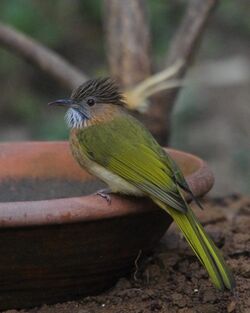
[117, 148]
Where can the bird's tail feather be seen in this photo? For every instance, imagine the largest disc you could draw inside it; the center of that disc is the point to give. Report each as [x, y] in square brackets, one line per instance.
[206, 251]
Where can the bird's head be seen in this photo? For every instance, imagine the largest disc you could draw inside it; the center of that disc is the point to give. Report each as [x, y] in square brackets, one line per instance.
[91, 102]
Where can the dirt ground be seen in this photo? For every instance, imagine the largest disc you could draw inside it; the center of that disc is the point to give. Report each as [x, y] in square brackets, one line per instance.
[172, 281]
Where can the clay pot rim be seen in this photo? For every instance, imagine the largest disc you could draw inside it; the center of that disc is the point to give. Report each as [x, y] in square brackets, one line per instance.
[92, 207]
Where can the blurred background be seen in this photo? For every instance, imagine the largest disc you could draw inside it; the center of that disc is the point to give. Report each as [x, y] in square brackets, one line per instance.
[211, 115]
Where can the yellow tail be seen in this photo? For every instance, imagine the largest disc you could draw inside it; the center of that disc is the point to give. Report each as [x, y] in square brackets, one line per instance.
[206, 251]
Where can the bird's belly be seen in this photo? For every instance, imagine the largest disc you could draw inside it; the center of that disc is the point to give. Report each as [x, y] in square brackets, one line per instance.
[115, 182]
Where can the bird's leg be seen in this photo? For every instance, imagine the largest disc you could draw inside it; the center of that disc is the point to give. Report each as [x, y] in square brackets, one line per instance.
[105, 193]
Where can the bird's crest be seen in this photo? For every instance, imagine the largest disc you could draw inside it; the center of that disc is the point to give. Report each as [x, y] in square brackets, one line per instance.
[104, 90]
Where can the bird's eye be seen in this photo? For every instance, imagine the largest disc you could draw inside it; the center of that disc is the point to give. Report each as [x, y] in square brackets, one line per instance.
[90, 101]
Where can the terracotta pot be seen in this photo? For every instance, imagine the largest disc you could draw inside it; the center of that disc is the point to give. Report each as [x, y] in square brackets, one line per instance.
[59, 249]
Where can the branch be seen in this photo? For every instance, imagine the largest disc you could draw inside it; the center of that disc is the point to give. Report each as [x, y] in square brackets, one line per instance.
[40, 56]
[128, 40]
[188, 36]
[183, 47]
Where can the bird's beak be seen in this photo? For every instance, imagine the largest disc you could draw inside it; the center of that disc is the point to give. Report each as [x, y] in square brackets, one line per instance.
[63, 102]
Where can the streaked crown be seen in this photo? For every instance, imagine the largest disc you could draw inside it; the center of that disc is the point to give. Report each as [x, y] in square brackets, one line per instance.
[103, 89]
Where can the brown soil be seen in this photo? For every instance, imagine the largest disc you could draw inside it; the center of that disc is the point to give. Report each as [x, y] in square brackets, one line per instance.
[172, 280]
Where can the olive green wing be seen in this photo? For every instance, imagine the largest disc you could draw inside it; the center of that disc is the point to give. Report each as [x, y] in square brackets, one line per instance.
[128, 150]
[179, 178]
[172, 168]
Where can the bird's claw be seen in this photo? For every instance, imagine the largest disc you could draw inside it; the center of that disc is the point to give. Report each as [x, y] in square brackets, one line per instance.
[105, 195]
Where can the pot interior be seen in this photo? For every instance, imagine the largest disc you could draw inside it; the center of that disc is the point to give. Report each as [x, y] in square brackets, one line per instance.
[31, 171]
[45, 189]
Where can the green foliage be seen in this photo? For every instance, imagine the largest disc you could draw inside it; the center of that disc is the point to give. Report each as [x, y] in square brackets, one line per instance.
[31, 18]
[52, 128]
[9, 63]
[26, 108]
[235, 15]
[91, 11]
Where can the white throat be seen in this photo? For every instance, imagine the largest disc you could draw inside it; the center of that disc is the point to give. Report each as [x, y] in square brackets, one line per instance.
[74, 119]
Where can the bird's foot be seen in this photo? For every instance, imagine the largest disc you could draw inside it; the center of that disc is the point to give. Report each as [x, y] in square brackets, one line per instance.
[105, 194]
